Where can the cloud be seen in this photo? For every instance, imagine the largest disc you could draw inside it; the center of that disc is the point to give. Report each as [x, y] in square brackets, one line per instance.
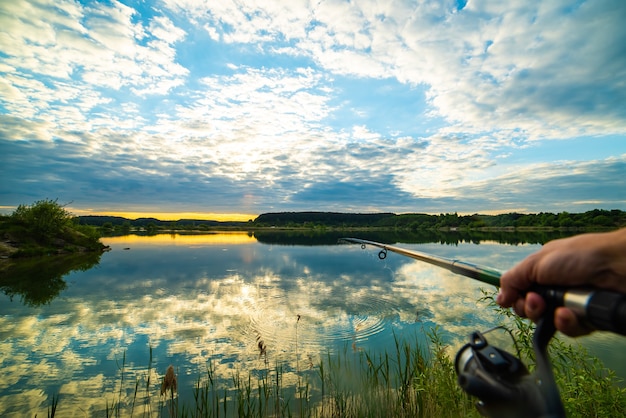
[338, 177]
[416, 103]
[544, 69]
[559, 187]
[59, 54]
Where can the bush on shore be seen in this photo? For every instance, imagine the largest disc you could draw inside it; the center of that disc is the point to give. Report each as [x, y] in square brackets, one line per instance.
[45, 228]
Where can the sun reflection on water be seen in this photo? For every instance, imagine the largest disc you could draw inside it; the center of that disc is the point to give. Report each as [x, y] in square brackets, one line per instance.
[217, 238]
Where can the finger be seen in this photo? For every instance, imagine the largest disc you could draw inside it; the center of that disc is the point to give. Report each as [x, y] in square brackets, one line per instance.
[519, 307]
[566, 321]
[534, 306]
[516, 280]
[506, 298]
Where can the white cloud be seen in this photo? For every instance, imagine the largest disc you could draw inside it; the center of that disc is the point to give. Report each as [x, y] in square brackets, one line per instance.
[57, 54]
[533, 68]
[527, 67]
[252, 122]
[163, 28]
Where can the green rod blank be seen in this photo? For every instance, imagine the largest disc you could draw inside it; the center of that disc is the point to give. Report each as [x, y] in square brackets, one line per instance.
[481, 273]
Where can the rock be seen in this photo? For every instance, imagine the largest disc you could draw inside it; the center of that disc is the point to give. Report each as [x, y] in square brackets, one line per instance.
[6, 249]
[58, 242]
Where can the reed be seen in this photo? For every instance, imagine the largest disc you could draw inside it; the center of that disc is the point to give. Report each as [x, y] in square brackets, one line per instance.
[52, 409]
[115, 409]
[147, 403]
[413, 379]
[169, 381]
[170, 384]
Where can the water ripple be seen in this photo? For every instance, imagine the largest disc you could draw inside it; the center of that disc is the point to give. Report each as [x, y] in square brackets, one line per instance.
[277, 322]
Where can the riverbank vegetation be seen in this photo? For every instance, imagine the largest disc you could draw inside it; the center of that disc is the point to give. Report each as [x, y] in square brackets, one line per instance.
[593, 219]
[414, 221]
[413, 380]
[45, 228]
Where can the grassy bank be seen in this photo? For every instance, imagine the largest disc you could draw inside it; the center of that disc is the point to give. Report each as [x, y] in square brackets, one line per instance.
[412, 380]
[45, 228]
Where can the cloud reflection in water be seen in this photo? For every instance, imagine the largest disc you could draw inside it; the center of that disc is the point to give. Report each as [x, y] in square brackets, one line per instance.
[196, 299]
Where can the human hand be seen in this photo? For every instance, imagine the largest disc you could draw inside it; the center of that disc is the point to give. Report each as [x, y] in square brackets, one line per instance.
[597, 260]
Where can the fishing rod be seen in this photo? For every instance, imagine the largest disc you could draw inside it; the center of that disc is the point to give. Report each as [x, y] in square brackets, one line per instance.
[601, 309]
[483, 274]
[500, 380]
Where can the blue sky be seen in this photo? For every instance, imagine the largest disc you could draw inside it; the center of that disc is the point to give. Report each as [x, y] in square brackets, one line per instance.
[209, 107]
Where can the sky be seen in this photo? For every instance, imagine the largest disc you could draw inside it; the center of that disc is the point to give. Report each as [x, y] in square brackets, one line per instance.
[206, 108]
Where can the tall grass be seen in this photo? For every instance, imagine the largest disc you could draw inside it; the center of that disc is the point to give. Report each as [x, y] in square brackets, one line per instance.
[412, 379]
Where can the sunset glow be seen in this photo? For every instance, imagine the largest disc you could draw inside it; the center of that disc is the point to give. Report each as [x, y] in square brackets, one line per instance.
[171, 216]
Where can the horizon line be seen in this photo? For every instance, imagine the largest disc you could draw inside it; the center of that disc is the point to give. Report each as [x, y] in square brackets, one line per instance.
[245, 217]
[170, 216]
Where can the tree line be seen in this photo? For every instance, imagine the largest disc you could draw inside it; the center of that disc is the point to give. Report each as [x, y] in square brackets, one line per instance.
[597, 218]
[594, 218]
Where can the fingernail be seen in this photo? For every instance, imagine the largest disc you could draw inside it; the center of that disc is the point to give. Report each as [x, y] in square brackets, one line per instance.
[499, 298]
[532, 306]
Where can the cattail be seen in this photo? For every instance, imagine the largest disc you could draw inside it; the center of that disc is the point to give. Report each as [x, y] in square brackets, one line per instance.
[262, 347]
[169, 381]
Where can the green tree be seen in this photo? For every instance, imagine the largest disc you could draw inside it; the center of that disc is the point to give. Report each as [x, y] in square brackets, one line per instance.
[151, 228]
[44, 218]
[602, 220]
[565, 219]
[46, 227]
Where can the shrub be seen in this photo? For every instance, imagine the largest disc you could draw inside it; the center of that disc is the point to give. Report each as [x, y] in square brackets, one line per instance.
[43, 219]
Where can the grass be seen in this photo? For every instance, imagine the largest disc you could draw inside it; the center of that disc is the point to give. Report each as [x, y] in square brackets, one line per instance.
[411, 380]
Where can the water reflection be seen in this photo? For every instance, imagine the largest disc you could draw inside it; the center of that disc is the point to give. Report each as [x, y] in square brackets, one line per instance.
[322, 237]
[38, 280]
[196, 299]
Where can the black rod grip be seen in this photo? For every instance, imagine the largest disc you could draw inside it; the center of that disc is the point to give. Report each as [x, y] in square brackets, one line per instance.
[607, 311]
[601, 309]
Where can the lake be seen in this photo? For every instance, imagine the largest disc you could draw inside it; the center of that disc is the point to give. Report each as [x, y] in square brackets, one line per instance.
[89, 329]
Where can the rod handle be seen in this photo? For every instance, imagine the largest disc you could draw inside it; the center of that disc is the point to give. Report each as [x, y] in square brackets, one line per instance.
[601, 309]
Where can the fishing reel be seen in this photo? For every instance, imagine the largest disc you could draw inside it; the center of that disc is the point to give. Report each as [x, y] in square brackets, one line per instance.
[502, 383]
[500, 380]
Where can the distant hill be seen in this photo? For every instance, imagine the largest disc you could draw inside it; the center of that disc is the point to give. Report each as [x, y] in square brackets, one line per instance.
[101, 220]
[266, 219]
[323, 218]
[97, 220]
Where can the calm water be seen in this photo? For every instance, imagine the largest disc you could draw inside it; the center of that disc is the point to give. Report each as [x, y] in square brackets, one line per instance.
[195, 299]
